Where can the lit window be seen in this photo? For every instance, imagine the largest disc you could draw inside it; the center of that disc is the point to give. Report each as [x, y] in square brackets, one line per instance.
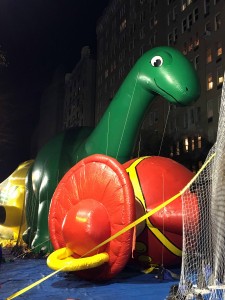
[208, 55]
[183, 5]
[199, 142]
[171, 151]
[178, 148]
[190, 46]
[186, 145]
[123, 25]
[192, 144]
[217, 22]
[196, 41]
[220, 76]
[219, 49]
[209, 82]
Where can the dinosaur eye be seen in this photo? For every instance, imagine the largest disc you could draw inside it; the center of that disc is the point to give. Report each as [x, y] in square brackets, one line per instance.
[156, 61]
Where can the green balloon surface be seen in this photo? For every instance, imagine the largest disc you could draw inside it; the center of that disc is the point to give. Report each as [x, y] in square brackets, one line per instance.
[161, 71]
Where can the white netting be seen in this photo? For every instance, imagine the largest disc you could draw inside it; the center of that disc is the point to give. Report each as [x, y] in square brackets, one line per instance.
[203, 260]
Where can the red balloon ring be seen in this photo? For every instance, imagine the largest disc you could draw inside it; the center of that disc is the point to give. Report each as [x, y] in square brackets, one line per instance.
[105, 180]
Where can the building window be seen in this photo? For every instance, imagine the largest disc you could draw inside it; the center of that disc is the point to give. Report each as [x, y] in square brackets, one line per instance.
[184, 25]
[192, 144]
[175, 35]
[196, 41]
[123, 25]
[210, 111]
[195, 14]
[219, 49]
[170, 39]
[155, 20]
[190, 45]
[209, 82]
[190, 20]
[199, 142]
[174, 13]
[186, 145]
[196, 62]
[185, 48]
[217, 22]
[122, 11]
[152, 40]
[186, 119]
[131, 45]
[142, 17]
[207, 29]
[142, 33]
[178, 148]
[198, 114]
[132, 29]
[208, 55]
[183, 5]
[220, 75]
[169, 18]
[206, 7]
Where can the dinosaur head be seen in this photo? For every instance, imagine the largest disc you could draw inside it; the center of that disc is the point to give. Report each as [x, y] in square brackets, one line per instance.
[167, 72]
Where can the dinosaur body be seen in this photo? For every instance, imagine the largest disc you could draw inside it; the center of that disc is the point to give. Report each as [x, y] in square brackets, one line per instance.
[161, 71]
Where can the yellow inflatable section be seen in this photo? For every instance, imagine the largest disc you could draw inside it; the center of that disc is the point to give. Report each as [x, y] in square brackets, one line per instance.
[12, 204]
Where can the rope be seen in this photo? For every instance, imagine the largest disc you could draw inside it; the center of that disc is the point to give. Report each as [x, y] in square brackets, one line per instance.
[164, 130]
[128, 112]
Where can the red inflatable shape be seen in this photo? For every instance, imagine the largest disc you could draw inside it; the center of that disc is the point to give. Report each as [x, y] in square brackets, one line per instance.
[93, 201]
[156, 179]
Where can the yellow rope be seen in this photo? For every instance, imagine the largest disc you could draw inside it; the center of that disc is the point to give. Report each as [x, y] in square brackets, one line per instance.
[135, 223]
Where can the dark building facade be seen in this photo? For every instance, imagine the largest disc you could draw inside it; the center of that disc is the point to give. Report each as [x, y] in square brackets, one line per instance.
[128, 28]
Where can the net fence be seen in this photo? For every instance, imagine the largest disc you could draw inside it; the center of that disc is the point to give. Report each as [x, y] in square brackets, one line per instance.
[203, 259]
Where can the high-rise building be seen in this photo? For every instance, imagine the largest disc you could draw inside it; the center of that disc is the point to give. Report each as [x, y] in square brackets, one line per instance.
[79, 101]
[128, 28]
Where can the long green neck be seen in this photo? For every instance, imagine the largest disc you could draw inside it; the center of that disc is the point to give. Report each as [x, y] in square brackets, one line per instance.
[116, 132]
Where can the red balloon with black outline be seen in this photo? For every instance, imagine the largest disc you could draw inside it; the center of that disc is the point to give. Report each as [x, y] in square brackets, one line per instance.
[98, 197]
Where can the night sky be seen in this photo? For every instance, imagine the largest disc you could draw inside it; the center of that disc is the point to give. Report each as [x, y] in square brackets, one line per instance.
[37, 37]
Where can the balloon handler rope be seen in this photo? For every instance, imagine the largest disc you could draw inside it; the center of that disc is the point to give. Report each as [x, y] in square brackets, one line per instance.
[67, 252]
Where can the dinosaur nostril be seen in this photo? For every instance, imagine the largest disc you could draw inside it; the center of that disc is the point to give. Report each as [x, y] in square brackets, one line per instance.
[186, 89]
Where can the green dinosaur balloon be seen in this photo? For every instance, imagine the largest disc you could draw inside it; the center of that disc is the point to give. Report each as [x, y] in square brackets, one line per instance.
[161, 71]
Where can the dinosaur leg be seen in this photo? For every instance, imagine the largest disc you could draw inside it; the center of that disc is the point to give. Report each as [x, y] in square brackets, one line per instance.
[41, 242]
